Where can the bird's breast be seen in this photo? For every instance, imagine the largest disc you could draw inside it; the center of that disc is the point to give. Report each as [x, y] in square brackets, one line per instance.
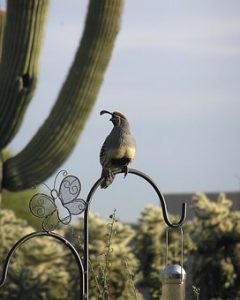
[118, 156]
[121, 152]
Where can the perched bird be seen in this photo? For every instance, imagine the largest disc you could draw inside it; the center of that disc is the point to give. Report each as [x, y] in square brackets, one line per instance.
[119, 148]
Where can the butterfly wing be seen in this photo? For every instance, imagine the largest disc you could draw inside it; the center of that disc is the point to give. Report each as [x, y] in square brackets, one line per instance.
[50, 222]
[42, 205]
[76, 206]
[69, 189]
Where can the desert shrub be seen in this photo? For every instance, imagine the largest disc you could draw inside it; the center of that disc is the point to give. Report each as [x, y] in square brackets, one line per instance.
[215, 261]
[112, 262]
[38, 267]
[150, 248]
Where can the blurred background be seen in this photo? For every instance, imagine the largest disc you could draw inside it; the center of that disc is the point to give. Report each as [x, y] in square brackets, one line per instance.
[175, 74]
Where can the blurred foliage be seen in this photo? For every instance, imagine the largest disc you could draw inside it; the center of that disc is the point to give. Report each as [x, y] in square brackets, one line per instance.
[215, 262]
[38, 267]
[111, 259]
[19, 201]
[123, 258]
[150, 248]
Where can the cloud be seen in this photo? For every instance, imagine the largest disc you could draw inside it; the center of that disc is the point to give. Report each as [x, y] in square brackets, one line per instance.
[194, 37]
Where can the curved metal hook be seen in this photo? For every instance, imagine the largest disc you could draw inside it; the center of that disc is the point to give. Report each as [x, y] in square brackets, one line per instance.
[160, 196]
[163, 205]
[50, 234]
[162, 201]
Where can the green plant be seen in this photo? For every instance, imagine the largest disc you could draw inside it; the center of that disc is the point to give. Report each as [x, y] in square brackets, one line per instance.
[196, 292]
[37, 268]
[19, 203]
[21, 48]
[130, 277]
[112, 263]
[215, 260]
[150, 248]
[105, 268]
[2, 25]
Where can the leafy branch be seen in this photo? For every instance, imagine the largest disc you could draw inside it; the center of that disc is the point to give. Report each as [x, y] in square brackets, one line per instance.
[196, 292]
[107, 253]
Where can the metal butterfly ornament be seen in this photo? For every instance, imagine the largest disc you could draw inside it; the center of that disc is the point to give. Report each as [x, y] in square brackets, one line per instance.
[60, 205]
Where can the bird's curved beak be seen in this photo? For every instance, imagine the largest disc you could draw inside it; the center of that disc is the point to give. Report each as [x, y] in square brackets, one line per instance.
[106, 112]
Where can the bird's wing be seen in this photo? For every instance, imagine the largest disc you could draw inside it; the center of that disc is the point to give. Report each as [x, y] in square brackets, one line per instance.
[103, 153]
[106, 151]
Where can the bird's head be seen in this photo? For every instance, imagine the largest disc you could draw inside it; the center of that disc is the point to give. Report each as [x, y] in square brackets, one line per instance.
[117, 117]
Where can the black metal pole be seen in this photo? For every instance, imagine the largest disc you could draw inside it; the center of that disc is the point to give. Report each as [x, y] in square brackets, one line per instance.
[86, 236]
[49, 234]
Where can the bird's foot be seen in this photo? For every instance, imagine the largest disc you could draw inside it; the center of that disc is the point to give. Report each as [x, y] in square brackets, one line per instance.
[108, 176]
[125, 170]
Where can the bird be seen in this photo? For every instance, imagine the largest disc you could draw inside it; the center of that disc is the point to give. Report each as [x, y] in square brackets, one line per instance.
[118, 149]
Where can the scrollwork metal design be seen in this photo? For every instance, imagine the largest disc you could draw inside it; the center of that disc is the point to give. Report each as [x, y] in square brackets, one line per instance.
[60, 205]
[66, 198]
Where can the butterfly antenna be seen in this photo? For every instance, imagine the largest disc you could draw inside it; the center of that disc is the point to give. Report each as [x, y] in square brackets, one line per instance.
[46, 186]
[63, 172]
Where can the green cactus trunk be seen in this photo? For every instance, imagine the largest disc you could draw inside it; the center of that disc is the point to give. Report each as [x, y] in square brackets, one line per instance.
[55, 140]
[22, 42]
[2, 26]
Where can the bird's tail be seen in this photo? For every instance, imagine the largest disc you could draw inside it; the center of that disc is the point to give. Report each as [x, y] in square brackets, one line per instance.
[108, 178]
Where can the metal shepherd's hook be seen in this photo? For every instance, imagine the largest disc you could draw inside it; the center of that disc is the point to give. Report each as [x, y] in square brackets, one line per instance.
[179, 224]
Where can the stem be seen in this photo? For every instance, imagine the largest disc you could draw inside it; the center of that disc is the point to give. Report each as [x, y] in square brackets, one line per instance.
[130, 279]
[95, 278]
[107, 255]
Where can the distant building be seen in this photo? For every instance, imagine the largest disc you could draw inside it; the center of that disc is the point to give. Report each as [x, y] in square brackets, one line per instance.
[174, 201]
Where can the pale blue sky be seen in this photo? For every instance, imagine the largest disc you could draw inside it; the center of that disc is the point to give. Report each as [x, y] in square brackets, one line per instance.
[175, 74]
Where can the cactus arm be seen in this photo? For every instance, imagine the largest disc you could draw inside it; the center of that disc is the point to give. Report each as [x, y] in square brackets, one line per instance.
[2, 26]
[56, 138]
[25, 23]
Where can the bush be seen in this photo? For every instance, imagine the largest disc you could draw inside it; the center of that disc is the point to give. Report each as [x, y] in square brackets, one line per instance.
[122, 257]
[215, 262]
[112, 262]
[150, 248]
[37, 268]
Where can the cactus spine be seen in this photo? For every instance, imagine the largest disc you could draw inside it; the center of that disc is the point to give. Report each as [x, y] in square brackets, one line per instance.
[58, 135]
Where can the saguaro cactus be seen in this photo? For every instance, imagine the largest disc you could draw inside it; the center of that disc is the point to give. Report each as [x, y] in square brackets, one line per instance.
[55, 139]
[2, 26]
[19, 64]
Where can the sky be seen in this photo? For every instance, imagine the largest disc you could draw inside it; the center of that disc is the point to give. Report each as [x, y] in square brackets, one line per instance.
[175, 74]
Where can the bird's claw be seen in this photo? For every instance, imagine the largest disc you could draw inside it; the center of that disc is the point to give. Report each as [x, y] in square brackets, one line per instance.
[125, 170]
[110, 174]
